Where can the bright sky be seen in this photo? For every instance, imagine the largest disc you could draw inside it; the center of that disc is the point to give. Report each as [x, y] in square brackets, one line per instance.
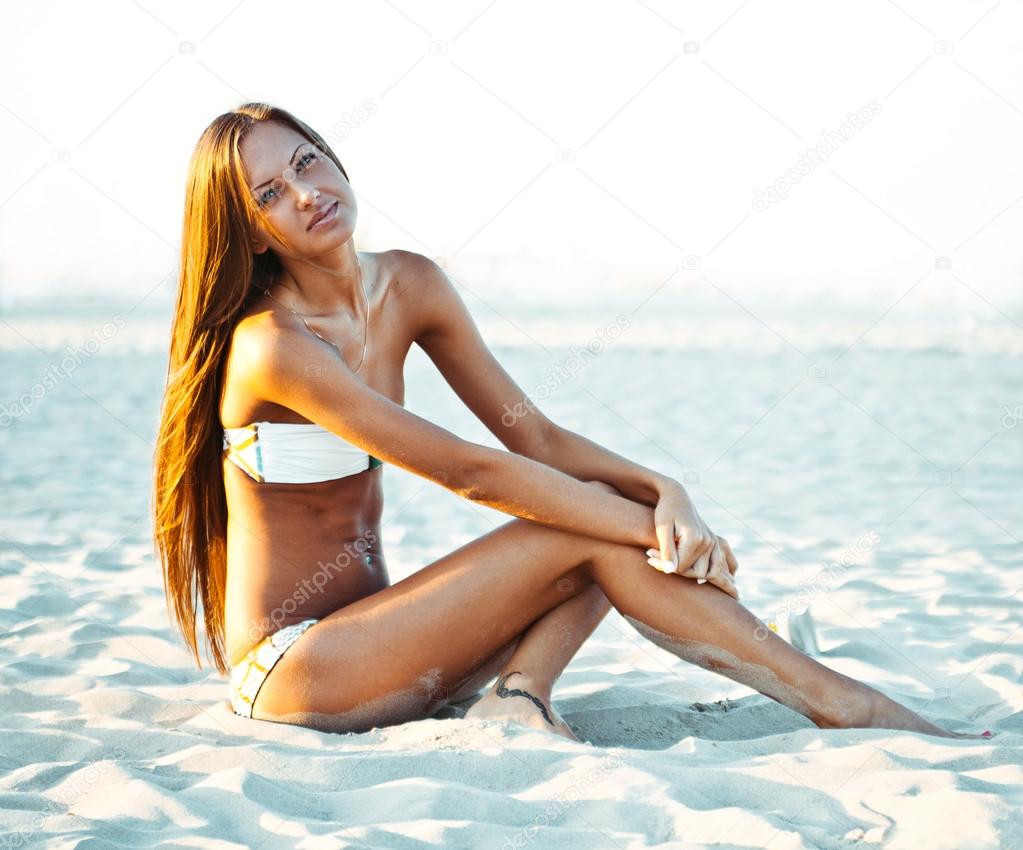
[562, 151]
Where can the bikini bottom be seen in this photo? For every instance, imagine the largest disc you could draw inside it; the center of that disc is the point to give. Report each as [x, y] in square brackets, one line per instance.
[248, 675]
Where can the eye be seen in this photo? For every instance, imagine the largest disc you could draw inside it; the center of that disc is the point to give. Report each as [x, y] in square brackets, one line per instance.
[275, 189]
[306, 159]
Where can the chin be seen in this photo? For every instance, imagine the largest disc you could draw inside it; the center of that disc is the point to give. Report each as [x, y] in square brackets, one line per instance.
[342, 232]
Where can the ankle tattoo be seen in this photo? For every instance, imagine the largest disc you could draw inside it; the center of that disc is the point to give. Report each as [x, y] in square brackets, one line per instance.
[503, 692]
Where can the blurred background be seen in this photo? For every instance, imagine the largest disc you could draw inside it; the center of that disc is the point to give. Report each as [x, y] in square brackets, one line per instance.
[774, 153]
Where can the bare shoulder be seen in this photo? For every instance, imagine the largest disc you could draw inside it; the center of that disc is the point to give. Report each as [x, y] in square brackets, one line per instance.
[430, 297]
[445, 329]
[414, 274]
[412, 265]
[259, 338]
[255, 329]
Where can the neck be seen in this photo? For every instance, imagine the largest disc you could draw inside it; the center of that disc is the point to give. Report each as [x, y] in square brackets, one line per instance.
[324, 285]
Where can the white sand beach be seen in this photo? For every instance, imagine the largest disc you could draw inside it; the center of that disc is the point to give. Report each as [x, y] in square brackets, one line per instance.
[880, 493]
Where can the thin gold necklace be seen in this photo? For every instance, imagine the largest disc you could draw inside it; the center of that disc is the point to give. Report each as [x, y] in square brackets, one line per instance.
[365, 332]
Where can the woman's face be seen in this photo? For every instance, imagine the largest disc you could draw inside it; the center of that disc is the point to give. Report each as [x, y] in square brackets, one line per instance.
[291, 181]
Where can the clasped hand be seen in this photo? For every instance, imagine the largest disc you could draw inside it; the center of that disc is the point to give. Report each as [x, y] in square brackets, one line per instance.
[687, 546]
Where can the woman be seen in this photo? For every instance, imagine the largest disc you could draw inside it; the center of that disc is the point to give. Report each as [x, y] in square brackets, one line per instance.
[284, 397]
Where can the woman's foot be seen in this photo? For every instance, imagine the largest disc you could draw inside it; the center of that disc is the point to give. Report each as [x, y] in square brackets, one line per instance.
[879, 712]
[515, 697]
[888, 714]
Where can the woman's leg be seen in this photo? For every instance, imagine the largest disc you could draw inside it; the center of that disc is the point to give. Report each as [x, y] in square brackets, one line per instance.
[704, 625]
[395, 655]
[400, 653]
[538, 659]
[533, 663]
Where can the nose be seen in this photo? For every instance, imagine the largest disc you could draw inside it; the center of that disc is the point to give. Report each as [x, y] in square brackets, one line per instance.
[305, 192]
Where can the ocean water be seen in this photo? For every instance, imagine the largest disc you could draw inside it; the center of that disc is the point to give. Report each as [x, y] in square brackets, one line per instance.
[875, 478]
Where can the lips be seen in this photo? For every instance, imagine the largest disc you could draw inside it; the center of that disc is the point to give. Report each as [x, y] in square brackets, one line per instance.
[322, 214]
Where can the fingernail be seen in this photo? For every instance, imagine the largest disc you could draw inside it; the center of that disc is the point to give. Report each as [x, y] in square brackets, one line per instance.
[657, 564]
[701, 581]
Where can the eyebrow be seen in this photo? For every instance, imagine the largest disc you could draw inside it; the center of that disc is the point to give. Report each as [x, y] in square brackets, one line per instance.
[289, 163]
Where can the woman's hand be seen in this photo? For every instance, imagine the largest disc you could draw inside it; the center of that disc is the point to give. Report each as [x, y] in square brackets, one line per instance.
[687, 545]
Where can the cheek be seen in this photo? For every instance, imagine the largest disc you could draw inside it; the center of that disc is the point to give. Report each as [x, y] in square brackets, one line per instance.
[342, 190]
[288, 222]
[350, 207]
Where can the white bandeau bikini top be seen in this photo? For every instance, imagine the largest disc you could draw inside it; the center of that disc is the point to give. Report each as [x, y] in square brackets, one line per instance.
[293, 453]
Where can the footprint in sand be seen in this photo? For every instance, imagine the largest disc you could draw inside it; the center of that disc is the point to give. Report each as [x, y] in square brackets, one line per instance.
[720, 705]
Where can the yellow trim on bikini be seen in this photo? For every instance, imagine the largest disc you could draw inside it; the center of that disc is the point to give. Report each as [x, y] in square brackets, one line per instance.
[234, 452]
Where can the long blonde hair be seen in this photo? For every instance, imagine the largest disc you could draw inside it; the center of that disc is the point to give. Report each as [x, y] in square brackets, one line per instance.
[218, 277]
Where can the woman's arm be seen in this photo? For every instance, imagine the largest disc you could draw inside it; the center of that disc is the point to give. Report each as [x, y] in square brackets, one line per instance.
[449, 336]
[517, 485]
[447, 333]
[581, 458]
[286, 365]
